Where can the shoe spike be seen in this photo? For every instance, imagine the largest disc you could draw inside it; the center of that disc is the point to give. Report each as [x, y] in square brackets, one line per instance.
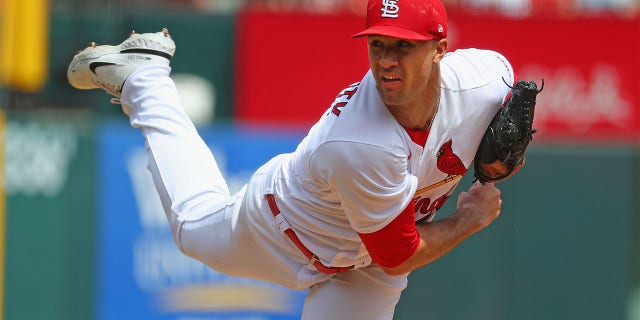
[165, 31]
[91, 44]
[132, 32]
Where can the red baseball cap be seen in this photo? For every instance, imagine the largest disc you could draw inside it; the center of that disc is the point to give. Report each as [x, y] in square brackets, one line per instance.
[406, 19]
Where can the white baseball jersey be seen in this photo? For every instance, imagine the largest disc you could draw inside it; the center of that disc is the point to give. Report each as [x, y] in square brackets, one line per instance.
[358, 167]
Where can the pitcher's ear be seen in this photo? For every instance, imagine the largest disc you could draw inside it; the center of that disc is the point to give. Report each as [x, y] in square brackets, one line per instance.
[441, 48]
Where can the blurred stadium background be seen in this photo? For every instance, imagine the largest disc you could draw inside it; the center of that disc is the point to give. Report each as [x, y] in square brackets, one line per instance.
[82, 235]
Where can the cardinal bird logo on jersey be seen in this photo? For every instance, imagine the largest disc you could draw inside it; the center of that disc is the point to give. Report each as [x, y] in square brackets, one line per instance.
[449, 162]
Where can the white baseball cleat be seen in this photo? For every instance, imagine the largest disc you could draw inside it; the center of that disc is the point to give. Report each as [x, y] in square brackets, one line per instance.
[108, 67]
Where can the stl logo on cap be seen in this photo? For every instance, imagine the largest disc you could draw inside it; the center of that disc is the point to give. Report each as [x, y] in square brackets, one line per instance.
[390, 9]
[421, 20]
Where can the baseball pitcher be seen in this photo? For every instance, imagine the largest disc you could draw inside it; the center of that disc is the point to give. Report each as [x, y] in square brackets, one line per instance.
[350, 213]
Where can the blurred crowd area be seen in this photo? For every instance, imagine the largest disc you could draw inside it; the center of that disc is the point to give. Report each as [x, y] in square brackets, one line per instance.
[512, 8]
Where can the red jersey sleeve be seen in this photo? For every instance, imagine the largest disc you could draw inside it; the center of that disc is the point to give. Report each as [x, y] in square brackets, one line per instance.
[396, 242]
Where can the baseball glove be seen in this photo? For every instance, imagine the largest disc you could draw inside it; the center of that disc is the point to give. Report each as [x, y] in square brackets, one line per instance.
[502, 149]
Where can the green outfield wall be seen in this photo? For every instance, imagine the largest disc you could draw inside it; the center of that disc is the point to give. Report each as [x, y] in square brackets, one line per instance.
[50, 229]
